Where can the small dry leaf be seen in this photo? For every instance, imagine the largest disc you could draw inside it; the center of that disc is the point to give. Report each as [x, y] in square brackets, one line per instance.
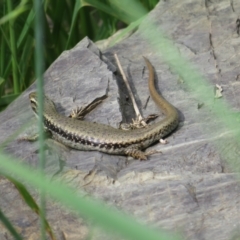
[218, 91]
[163, 141]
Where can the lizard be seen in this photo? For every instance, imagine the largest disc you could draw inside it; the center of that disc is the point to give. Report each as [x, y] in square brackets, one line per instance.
[84, 135]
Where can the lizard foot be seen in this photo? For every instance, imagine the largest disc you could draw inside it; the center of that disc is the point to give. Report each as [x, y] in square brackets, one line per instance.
[79, 113]
[137, 123]
[29, 138]
[135, 153]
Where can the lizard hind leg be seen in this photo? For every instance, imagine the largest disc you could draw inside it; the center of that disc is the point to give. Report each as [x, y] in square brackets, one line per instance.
[138, 123]
[136, 153]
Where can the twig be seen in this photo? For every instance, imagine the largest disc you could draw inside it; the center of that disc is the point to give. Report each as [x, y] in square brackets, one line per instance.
[138, 114]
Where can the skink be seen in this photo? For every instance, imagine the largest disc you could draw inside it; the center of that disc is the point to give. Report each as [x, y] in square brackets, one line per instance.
[83, 135]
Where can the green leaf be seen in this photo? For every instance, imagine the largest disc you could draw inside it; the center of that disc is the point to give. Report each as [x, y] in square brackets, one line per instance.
[9, 226]
[78, 5]
[13, 14]
[31, 203]
[26, 28]
[125, 10]
[2, 80]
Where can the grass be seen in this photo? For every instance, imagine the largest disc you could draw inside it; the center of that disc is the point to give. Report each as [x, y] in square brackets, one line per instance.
[65, 24]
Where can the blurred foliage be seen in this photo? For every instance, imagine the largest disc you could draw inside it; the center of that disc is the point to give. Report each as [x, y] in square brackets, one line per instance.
[65, 24]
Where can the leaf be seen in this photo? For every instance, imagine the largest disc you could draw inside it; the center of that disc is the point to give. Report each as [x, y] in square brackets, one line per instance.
[9, 226]
[29, 200]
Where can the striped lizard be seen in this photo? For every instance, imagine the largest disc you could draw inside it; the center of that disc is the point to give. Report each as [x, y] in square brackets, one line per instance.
[83, 135]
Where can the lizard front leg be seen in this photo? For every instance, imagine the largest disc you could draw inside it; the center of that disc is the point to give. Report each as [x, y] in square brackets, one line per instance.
[80, 113]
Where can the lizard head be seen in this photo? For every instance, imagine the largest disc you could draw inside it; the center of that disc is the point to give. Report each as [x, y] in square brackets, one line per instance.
[48, 104]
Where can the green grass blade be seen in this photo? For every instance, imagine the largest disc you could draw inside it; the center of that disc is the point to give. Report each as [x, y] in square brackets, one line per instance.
[125, 32]
[2, 80]
[9, 226]
[78, 5]
[118, 9]
[27, 27]
[149, 4]
[2, 50]
[39, 69]
[16, 85]
[26, 63]
[28, 199]
[87, 25]
[5, 59]
[13, 14]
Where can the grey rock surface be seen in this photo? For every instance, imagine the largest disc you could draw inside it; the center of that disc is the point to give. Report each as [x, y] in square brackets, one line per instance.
[188, 188]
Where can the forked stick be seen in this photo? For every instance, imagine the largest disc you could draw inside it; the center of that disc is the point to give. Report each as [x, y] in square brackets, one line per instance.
[138, 114]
